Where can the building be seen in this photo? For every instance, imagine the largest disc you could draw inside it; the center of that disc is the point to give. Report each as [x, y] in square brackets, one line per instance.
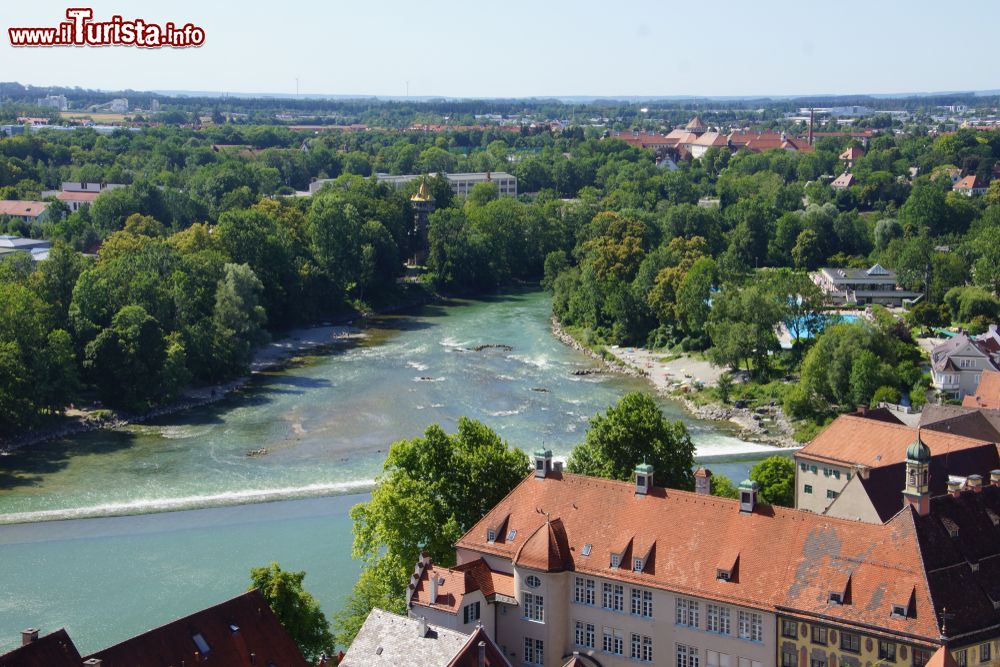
[843, 181]
[615, 573]
[29, 211]
[397, 641]
[971, 185]
[9, 243]
[987, 394]
[862, 286]
[52, 650]
[57, 102]
[708, 140]
[118, 105]
[76, 194]
[765, 141]
[958, 364]
[852, 155]
[854, 468]
[422, 203]
[460, 184]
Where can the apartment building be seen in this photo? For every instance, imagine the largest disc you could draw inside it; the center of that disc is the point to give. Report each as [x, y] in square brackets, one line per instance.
[862, 286]
[577, 570]
[958, 364]
[460, 184]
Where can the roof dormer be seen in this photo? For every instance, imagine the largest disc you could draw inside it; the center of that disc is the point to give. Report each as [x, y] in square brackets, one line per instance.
[643, 479]
[543, 463]
[840, 590]
[728, 567]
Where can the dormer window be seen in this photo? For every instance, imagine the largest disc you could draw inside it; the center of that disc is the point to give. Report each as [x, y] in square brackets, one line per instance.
[637, 565]
[898, 611]
[722, 575]
[836, 598]
[615, 560]
[491, 536]
[511, 535]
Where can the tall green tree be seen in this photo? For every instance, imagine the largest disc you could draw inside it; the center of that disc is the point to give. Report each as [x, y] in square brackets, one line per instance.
[776, 477]
[238, 316]
[296, 608]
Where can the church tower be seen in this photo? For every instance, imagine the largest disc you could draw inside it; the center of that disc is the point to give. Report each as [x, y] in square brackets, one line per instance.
[423, 205]
[917, 492]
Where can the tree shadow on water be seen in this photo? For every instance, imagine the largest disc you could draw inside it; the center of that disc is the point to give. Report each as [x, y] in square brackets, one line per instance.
[30, 465]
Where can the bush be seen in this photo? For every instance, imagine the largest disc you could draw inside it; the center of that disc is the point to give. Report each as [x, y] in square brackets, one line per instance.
[885, 394]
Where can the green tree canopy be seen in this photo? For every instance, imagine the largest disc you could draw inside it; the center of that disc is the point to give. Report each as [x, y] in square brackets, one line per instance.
[776, 477]
[296, 608]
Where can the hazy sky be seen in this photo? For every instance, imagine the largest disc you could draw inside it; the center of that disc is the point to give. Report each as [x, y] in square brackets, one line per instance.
[531, 47]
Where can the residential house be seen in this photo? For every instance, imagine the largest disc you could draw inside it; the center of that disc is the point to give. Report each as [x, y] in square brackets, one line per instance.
[854, 468]
[708, 140]
[851, 155]
[615, 573]
[397, 641]
[958, 363]
[11, 243]
[460, 184]
[987, 394]
[862, 286]
[765, 141]
[971, 185]
[843, 181]
[76, 194]
[29, 211]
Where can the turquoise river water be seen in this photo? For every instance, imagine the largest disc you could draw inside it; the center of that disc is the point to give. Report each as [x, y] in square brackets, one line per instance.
[113, 532]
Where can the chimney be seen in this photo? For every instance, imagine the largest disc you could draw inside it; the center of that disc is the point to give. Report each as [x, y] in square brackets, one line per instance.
[955, 487]
[703, 481]
[28, 636]
[92, 662]
[643, 479]
[812, 117]
[543, 463]
[482, 654]
[995, 477]
[421, 627]
[434, 587]
[976, 483]
[557, 466]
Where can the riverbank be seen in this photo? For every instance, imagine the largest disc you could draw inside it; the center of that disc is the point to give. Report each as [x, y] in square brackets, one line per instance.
[274, 355]
[675, 376]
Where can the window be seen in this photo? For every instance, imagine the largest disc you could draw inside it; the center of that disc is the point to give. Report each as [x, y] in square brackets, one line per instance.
[804, 467]
[534, 651]
[886, 650]
[470, 612]
[817, 662]
[789, 629]
[687, 612]
[606, 599]
[202, 645]
[826, 472]
[920, 657]
[819, 635]
[491, 535]
[717, 619]
[584, 591]
[647, 604]
[812, 469]
[615, 560]
[984, 652]
[619, 599]
[636, 602]
[585, 634]
[647, 649]
[808, 488]
[637, 565]
[587, 548]
[962, 657]
[534, 607]
[687, 656]
[532, 581]
[614, 641]
[511, 535]
[789, 659]
[835, 473]
[899, 611]
[830, 493]
[850, 642]
[636, 646]
[751, 626]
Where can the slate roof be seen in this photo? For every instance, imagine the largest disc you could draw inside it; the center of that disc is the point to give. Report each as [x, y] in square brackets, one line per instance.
[942, 353]
[240, 632]
[391, 639]
[850, 440]
[52, 650]
[976, 423]
[787, 558]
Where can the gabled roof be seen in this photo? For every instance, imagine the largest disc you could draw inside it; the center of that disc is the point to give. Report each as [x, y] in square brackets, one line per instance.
[942, 658]
[853, 153]
[958, 343]
[856, 441]
[52, 650]
[468, 656]
[455, 583]
[78, 196]
[845, 180]
[987, 393]
[976, 423]
[22, 209]
[969, 183]
[712, 139]
[240, 632]
[695, 124]
[390, 639]
[693, 533]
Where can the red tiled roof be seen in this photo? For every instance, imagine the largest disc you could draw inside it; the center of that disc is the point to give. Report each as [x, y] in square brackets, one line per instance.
[239, 633]
[712, 139]
[852, 440]
[22, 209]
[786, 557]
[845, 180]
[469, 655]
[852, 153]
[545, 549]
[987, 393]
[77, 196]
[968, 183]
[52, 650]
[942, 658]
[455, 583]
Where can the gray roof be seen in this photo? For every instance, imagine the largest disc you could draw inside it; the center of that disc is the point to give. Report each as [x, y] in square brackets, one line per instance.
[941, 355]
[391, 639]
[877, 273]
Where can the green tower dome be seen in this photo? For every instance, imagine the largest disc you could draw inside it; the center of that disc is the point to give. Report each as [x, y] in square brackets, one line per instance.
[918, 451]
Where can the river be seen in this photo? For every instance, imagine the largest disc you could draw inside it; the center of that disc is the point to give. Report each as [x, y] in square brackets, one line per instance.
[326, 424]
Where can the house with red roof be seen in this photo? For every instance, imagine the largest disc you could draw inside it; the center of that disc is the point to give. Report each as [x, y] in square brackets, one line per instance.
[971, 185]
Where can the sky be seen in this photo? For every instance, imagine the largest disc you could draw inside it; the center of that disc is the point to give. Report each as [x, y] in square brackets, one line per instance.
[529, 48]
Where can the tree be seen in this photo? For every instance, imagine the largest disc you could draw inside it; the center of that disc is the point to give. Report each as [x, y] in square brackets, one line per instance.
[631, 432]
[238, 316]
[986, 246]
[723, 487]
[725, 386]
[126, 358]
[298, 611]
[807, 253]
[432, 489]
[776, 477]
[866, 377]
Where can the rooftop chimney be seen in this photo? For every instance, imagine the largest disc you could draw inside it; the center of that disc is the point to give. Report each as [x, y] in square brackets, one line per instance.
[643, 479]
[543, 463]
[703, 481]
[557, 466]
[482, 654]
[421, 627]
[995, 477]
[28, 636]
[954, 486]
[976, 483]
[434, 587]
[92, 662]
[748, 495]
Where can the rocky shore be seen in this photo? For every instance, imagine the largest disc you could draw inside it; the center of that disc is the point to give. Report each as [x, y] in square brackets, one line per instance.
[765, 425]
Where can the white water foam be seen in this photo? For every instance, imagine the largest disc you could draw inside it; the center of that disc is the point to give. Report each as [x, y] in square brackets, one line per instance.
[504, 413]
[153, 505]
[417, 365]
[427, 379]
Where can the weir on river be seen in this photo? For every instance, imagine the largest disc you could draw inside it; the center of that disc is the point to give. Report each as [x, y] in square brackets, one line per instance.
[326, 426]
